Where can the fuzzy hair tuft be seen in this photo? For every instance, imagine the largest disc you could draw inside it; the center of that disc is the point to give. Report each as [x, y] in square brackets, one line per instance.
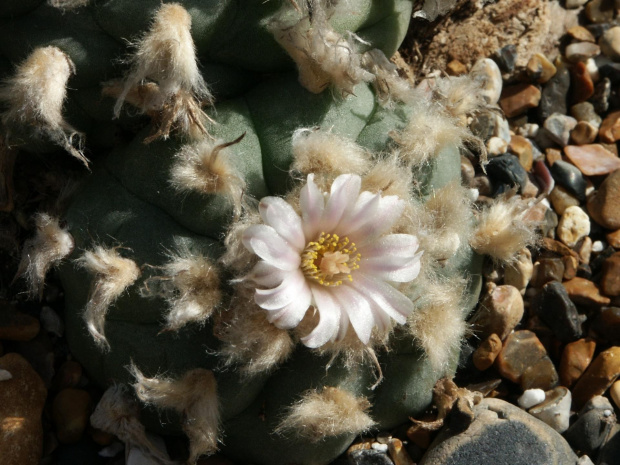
[117, 414]
[329, 412]
[112, 275]
[34, 98]
[67, 4]
[49, 246]
[502, 230]
[205, 167]
[194, 396]
[237, 257]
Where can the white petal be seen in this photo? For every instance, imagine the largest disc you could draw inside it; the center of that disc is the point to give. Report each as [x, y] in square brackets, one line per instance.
[387, 298]
[343, 326]
[329, 318]
[265, 242]
[290, 316]
[362, 212]
[358, 310]
[265, 275]
[278, 214]
[392, 258]
[344, 193]
[284, 294]
[312, 203]
[389, 210]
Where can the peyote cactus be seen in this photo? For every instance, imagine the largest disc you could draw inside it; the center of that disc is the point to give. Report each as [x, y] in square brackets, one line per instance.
[276, 275]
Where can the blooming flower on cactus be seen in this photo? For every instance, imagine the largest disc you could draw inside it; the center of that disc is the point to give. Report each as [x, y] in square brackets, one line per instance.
[336, 257]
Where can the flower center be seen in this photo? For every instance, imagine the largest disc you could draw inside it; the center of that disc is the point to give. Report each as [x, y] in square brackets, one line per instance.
[330, 259]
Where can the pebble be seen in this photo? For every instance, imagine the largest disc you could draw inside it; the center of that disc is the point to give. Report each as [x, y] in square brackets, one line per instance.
[610, 43]
[572, 4]
[607, 324]
[555, 308]
[561, 199]
[68, 375]
[592, 427]
[552, 155]
[547, 270]
[573, 225]
[456, 68]
[543, 176]
[507, 169]
[483, 185]
[71, 412]
[610, 280]
[583, 133]
[581, 51]
[496, 146]
[584, 250]
[585, 292]
[599, 376]
[570, 267]
[135, 455]
[506, 58]
[519, 98]
[487, 352]
[497, 436]
[568, 176]
[581, 34]
[585, 460]
[369, 457]
[467, 171]
[603, 205]
[51, 321]
[530, 398]
[576, 358]
[585, 112]
[524, 360]
[21, 405]
[599, 11]
[553, 96]
[613, 239]
[592, 68]
[582, 85]
[40, 354]
[398, 453]
[519, 273]
[555, 409]
[559, 127]
[609, 132]
[17, 326]
[614, 392]
[499, 312]
[592, 159]
[602, 91]
[486, 73]
[610, 451]
[540, 69]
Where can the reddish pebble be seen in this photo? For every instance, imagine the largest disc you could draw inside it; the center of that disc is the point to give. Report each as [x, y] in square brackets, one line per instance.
[575, 360]
[584, 292]
[582, 85]
[610, 281]
[613, 238]
[599, 376]
[592, 159]
[609, 131]
[487, 352]
[603, 205]
[552, 155]
[519, 98]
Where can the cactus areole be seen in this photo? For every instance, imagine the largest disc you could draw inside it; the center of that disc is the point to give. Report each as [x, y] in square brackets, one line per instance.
[275, 256]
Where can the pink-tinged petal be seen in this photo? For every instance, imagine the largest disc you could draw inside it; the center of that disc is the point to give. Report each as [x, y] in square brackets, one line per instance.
[344, 193]
[391, 258]
[265, 242]
[279, 214]
[329, 318]
[385, 296]
[389, 211]
[392, 270]
[265, 275]
[284, 294]
[312, 203]
[357, 309]
[363, 211]
[382, 319]
[343, 326]
[391, 245]
[290, 316]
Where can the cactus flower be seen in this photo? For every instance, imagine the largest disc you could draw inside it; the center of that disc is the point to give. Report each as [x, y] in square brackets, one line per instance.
[337, 257]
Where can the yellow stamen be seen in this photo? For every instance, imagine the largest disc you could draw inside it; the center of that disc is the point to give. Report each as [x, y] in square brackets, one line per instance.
[329, 259]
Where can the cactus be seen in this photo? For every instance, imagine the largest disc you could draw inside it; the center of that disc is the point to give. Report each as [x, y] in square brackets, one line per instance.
[207, 261]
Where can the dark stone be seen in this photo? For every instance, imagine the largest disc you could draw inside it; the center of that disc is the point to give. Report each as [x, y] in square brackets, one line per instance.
[610, 71]
[611, 450]
[597, 29]
[584, 271]
[483, 125]
[507, 169]
[554, 94]
[550, 223]
[554, 308]
[569, 177]
[597, 263]
[600, 98]
[606, 324]
[85, 452]
[461, 415]
[369, 457]
[501, 434]
[593, 426]
[506, 58]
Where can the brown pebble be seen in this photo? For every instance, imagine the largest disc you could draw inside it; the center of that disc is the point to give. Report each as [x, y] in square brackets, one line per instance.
[524, 360]
[100, 437]
[585, 292]
[364, 445]
[583, 133]
[21, 405]
[519, 98]
[603, 205]
[599, 376]
[610, 281]
[613, 238]
[575, 360]
[467, 171]
[519, 273]
[546, 270]
[540, 69]
[487, 352]
[584, 249]
[71, 412]
[420, 436]
[522, 148]
[570, 267]
[592, 159]
[607, 325]
[614, 392]
[600, 11]
[398, 453]
[609, 131]
[552, 155]
[500, 311]
[581, 33]
[456, 68]
[557, 247]
[561, 199]
[582, 87]
[68, 375]
[17, 326]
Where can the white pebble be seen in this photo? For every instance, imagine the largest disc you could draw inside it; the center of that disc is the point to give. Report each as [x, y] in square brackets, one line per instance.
[473, 194]
[497, 146]
[379, 447]
[573, 225]
[528, 130]
[585, 460]
[487, 74]
[530, 398]
[597, 246]
[112, 450]
[137, 457]
[5, 375]
[555, 410]
[592, 69]
[606, 413]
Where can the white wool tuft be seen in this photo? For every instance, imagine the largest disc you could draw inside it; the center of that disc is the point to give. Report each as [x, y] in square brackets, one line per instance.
[237, 257]
[117, 413]
[461, 96]
[316, 151]
[502, 230]
[49, 246]
[205, 167]
[112, 275]
[67, 4]
[35, 96]
[194, 396]
[329, 412]
[389, 86]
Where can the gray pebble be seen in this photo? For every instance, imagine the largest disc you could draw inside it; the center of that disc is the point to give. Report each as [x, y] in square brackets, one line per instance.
[559, 127]
[507, 169]
[600, 98]
[584, 111]
[506, 58]
[553, 97]
[593, 426]
[369, 457]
